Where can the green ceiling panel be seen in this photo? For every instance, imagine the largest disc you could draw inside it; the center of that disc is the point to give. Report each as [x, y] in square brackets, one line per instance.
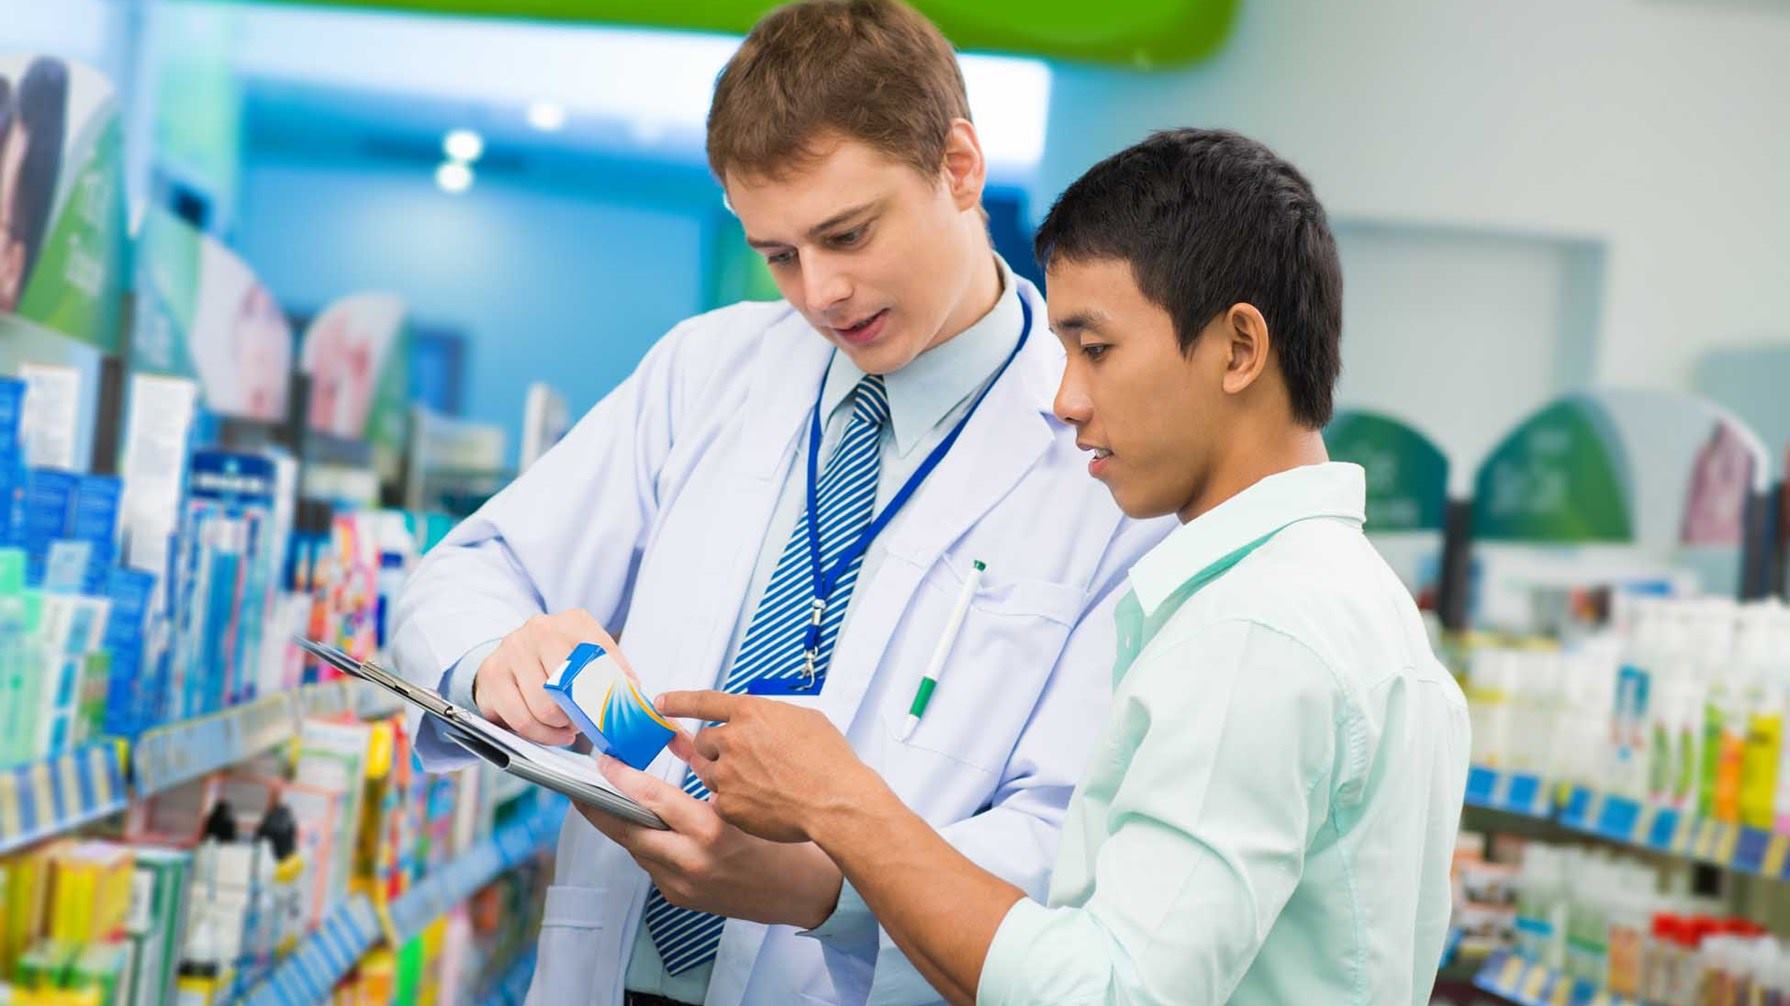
[1137, 33]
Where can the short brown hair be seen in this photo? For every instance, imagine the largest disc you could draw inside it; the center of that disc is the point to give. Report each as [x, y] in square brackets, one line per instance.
[873, 70]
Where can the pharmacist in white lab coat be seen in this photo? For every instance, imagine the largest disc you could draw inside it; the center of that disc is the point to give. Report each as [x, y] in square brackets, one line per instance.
[901, 396]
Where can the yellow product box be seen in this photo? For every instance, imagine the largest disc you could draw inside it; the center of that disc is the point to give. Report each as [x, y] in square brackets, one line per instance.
[429, 981]
[90, 892]
[377, 982]
[55, 997]
[22, 910]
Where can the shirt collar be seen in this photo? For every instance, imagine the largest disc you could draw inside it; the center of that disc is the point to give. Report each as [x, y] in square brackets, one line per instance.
[1332, 489]
[925, 391]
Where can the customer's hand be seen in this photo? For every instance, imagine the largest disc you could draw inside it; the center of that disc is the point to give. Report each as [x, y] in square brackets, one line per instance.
[776, 770]
[508, 685]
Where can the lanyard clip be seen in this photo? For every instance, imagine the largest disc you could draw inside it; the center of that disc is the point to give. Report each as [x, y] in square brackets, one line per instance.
[811, 644]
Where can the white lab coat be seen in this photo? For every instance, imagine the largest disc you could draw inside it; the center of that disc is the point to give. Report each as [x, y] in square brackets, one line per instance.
[650, 514]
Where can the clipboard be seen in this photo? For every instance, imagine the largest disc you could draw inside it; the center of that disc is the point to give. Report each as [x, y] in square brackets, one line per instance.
[573, 775]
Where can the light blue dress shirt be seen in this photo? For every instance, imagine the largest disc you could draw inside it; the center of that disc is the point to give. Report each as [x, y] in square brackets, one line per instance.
[926, 398]
[1272, 808]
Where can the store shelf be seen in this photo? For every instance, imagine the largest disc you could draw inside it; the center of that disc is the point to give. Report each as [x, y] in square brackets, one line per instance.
[178, 753]
[327, 699]
[412, 912]
[1451, 945]
[1512, 792]
[372, 702]
[44, 798]
[1661, 830]
[323, 959]
[512, 988]
[1511, 977]
[1673, 833]
[41, 799]
[326, 956]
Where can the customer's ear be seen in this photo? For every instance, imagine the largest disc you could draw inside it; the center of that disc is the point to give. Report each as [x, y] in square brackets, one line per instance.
[1247, 346]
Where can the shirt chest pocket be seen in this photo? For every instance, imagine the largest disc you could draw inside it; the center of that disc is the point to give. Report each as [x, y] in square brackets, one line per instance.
[1012, 635]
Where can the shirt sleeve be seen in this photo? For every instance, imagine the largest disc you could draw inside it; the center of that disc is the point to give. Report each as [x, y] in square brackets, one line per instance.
[456, 686]
[567, 533]
[851, 925]
[1229, 739]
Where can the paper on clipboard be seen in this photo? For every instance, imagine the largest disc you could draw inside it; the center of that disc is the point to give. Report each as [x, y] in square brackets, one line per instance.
[574, 775]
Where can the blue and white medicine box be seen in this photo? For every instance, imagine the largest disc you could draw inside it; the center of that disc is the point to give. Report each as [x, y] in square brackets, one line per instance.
[604, 703]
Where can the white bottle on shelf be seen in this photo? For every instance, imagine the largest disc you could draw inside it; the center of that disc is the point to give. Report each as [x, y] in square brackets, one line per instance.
[1489, 686]
[1541, 906]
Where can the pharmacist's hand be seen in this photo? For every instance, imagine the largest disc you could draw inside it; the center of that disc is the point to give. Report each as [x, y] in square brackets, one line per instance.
[507, 687]
[707, 864]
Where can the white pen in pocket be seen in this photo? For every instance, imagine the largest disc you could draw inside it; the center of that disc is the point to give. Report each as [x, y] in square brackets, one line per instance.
[935, 668]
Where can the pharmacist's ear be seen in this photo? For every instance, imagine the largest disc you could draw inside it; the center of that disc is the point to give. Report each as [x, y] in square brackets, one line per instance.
[1246, 346]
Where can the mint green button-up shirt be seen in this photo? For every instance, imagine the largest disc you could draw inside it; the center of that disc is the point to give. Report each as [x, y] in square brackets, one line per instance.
[1271, 811]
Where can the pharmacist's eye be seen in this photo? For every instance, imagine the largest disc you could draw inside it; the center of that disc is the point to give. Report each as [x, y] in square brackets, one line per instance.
[1094, 351]
[781, 258]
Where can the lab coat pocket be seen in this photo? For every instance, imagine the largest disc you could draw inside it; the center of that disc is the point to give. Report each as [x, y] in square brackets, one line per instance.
[571, 931]
[1011, 638]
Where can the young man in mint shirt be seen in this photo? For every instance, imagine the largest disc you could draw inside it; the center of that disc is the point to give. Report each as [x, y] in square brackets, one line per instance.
[1270, 812]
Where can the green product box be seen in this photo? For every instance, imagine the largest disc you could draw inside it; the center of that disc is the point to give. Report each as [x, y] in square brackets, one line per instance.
[44, 964]
[410, 971]
[96, 676]
[98, 966]
[156, 926]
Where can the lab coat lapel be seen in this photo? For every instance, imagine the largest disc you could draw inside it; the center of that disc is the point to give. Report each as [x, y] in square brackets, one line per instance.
[737, 503]
[1006, 437]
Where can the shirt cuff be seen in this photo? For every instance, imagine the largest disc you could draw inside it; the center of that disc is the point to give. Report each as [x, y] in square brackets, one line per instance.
[851, 928]
[1005, 968]
[456, 684]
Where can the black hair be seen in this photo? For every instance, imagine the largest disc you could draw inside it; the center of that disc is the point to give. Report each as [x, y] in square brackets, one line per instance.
[42, 109]
[1207, 219]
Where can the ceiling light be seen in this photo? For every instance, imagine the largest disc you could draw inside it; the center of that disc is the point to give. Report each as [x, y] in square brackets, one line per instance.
[546, 116]
[453, 177]
[463, 145]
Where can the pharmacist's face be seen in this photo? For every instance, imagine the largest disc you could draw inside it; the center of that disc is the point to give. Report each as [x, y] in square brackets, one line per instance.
[867, 248]
[1149, 415]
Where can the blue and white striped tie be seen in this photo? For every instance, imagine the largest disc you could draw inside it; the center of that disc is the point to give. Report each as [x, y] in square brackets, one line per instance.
[773, 647]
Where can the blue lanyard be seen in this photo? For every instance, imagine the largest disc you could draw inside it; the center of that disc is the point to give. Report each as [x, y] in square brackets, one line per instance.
[825, 580]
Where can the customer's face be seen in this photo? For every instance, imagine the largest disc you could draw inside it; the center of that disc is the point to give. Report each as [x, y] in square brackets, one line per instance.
[1129, 390]
[867, 248]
